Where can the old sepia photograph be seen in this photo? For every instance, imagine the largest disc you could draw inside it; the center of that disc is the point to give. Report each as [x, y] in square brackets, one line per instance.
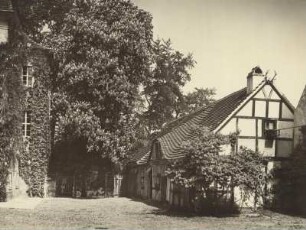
[152, 114]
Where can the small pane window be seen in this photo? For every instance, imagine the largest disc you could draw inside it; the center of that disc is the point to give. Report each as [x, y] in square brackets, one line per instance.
[27, 78]
[26, 125]
[269, 129]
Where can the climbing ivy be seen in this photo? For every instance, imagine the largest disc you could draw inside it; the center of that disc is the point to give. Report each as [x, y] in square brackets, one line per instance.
[31, 153]
[33, 162]
[10, 117]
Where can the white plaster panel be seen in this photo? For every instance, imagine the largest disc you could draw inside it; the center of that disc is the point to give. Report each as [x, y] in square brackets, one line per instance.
[230, 127]
[270, 166]
[260, 108]
[247, 127]
[288, 133]
[286, 113]
[267, 89]
[267, 148]
[284, 148]
[259, 126]
[249, 143]
[273, 109]
[246, 110]
[274, 95]
[241, 201]
[225, 150]
[260, 95]
[273, 165]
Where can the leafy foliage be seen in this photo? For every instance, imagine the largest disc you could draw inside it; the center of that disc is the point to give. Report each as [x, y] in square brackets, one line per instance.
[163, 89]
[200, 97]
[34, 156]
[212, 174]
[30, 155]
[102, 55]
[11, 104]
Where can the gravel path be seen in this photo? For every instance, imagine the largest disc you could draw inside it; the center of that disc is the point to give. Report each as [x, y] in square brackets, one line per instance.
[124, 213]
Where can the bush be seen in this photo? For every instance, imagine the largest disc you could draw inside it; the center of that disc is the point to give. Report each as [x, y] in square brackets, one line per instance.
[215, 207]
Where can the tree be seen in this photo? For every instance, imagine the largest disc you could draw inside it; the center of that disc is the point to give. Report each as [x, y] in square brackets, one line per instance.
[35, 15]
[101, 53]
[163, 89]
[200, 97]
[213, 175]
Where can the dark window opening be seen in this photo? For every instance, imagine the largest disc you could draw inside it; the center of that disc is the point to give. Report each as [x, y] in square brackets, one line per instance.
[269, 129]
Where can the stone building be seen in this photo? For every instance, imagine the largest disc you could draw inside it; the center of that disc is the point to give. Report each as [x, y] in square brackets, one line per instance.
[35, 167]
[26, 86]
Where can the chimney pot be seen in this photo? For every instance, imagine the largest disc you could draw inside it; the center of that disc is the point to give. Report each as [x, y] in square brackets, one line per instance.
[254, 78]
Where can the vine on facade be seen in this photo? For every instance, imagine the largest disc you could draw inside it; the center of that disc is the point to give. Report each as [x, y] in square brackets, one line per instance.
[31, 153]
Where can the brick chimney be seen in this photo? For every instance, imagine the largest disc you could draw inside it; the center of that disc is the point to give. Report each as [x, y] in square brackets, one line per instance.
[254, 78]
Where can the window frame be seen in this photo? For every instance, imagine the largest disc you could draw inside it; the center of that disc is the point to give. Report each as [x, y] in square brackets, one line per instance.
[27, 77]
[26, 124]
[267, 132]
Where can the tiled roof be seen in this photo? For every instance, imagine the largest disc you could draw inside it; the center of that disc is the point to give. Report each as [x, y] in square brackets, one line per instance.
[141, 156]
[179, 130]
[5, 5]
[210, 116]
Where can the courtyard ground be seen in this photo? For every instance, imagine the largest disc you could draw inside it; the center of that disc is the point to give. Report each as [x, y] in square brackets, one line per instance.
[124, 213]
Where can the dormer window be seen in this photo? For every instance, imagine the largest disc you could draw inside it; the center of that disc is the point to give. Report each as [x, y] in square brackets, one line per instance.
[27, 78]
[26, 124]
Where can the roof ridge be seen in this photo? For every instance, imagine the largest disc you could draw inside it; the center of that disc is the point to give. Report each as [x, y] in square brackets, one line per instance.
[231, 94]
[194, 113]
[208, 116]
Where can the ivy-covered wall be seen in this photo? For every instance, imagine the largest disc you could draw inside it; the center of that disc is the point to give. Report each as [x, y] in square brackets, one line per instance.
[33, 161]
[30, 154]
[10, 120]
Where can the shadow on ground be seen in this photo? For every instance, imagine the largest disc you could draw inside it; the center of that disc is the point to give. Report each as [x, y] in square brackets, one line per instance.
[171, 211]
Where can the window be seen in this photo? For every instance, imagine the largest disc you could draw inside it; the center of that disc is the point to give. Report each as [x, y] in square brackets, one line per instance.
[269, 129]
[27, 78]
[26, 125]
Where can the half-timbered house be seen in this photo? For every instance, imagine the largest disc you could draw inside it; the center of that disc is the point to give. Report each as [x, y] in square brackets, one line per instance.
[260, 112]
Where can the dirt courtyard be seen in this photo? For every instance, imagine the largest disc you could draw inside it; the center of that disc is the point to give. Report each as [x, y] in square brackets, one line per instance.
[124, 213]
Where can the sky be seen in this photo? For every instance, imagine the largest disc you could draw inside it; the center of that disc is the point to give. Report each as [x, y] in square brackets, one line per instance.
[229, 37]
